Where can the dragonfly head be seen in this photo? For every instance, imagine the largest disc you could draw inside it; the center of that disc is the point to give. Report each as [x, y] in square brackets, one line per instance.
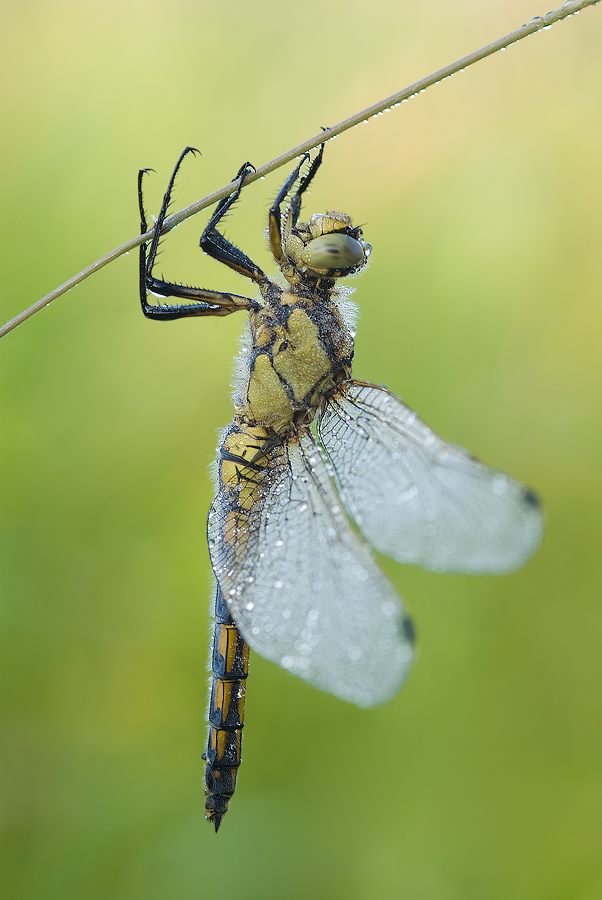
[327, 246]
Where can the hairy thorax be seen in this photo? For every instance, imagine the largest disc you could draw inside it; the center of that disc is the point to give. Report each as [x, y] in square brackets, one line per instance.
[300, 349]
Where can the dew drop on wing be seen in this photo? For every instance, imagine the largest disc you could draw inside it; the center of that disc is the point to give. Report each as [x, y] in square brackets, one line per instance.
[499, 485]
[389, 609]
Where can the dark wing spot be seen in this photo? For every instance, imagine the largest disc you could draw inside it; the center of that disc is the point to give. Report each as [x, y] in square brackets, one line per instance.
[409, 631]
[531, 498]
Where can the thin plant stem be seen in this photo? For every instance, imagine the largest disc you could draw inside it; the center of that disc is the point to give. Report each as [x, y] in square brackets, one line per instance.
[537, 23]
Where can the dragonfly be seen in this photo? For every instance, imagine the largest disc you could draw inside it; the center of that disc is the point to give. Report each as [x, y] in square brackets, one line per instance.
[315, 472]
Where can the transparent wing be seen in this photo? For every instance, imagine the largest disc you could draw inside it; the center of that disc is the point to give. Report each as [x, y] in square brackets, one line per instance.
[303, 588]
[419, 499]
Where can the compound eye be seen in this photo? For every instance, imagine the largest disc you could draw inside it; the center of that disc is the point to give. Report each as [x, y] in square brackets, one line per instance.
[333, 251]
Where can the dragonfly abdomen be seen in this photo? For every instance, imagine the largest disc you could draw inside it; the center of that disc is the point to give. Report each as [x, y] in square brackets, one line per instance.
[230, 667]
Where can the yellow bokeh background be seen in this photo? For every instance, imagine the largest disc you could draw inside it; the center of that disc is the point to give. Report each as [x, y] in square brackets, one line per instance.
[482, 199]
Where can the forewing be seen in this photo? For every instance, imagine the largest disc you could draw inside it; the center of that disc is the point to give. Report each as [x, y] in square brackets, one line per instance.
[302, 587]
[419, 499]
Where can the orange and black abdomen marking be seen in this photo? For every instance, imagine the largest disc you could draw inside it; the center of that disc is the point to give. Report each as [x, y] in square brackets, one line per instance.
[230, 666]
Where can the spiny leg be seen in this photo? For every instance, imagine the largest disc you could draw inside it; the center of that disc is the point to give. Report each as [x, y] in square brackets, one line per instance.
[164, 207]
[215, 244]
[305, 183]
[203, 302]
[143, 230]
[275, 218]
[275, 223]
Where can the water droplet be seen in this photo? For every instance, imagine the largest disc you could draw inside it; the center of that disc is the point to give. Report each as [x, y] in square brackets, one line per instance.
[405, 653]
[499, 485]
[389, 609]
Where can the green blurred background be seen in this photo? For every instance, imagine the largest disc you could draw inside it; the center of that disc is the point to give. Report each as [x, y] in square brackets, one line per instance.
[481, 780]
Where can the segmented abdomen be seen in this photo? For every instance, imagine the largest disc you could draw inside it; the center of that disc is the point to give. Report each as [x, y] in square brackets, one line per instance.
[230, 667]
[242, 465]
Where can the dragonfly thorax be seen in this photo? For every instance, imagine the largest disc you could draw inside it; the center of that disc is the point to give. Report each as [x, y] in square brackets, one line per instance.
[300, 348]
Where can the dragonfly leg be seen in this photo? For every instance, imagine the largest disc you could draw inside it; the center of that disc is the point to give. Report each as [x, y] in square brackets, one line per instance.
[304, 184]
[201, 302]
[275, 231]
[215, 244]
